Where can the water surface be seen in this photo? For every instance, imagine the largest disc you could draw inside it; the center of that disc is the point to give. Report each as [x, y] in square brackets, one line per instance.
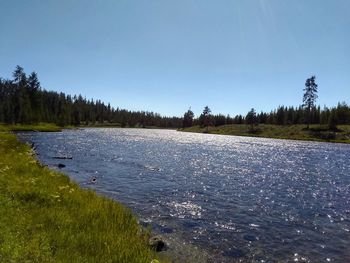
[227, 198]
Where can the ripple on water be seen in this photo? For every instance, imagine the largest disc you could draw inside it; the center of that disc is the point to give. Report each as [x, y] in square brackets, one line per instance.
[185, 209]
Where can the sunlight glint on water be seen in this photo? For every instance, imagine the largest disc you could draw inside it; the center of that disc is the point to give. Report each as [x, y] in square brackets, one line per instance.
[236, 198]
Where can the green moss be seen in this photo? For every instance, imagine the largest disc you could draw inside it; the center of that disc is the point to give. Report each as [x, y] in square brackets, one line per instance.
[45, 217]
[292, 132]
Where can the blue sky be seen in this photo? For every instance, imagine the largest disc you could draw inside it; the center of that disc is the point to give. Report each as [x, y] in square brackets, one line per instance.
[166, 56]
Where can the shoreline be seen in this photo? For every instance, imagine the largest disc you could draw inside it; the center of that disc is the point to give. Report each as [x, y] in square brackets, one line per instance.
[48, 217]
[275, 132]
[316, 133]
[51, 127]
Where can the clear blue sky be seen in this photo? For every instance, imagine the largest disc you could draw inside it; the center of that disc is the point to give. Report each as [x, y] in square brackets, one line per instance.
[168, 55]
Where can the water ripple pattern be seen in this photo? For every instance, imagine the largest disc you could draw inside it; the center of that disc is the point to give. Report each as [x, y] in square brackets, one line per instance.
[239, 199]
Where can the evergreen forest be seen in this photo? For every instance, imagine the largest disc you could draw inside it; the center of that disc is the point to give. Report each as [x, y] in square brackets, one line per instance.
[24, 101]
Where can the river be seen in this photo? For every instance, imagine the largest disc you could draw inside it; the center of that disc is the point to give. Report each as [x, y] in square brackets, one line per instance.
[217, 198]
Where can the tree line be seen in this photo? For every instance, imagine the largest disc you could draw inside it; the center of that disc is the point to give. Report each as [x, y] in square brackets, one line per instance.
[307, 113]
[281, 116]
[23, 100]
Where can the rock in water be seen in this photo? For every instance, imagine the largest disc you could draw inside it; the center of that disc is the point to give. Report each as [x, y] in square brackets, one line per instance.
[93, 180]
[63, 157]
[61, 165]
[157, 243]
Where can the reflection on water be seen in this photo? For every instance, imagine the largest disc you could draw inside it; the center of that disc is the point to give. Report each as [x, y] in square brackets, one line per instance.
[235, 198]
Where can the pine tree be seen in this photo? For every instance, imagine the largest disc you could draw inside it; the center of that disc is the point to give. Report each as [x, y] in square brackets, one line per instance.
[333, 120]
[188, 118]
[33, 89]
[309, 98]
[18, 75]
[205, 118]
[251, 119]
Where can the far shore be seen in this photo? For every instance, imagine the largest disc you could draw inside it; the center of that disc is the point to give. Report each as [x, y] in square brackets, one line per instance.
[289, 132]
[51, 127]
[319, 133]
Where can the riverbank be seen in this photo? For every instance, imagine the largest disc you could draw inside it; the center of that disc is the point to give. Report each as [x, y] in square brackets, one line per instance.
[42, 127]
[291, 132]
[51, 127]
[45, 217]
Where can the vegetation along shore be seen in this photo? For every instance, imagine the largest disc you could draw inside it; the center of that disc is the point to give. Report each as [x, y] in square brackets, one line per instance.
[291, 132]
[45, 217]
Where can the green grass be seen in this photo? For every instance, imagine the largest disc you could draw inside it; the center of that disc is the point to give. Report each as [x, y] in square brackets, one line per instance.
[43, 127]
[293, 132]
[45, 217]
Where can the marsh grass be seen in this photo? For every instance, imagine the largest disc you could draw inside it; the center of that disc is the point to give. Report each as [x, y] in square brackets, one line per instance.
[293, 132]
[45, 217]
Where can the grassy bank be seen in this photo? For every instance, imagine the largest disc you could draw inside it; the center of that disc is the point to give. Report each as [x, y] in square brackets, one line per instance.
[44, 127]
[47, 218]
[293, 132]
[51, 127]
